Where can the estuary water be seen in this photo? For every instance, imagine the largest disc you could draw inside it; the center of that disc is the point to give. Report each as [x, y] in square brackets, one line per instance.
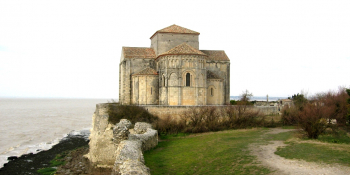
[31, 125]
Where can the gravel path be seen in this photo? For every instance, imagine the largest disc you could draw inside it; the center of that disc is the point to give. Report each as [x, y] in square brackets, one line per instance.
[266, 154]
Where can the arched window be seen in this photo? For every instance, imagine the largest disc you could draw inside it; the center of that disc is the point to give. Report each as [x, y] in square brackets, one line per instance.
[211, 91]
[188, 79]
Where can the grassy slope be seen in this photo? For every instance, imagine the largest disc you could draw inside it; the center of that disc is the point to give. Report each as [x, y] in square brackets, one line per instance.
[226, 152]
[211, 153]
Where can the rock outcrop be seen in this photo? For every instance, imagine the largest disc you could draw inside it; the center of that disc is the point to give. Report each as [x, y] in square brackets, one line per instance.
[102, 148]
[129, 157]
[115, 147]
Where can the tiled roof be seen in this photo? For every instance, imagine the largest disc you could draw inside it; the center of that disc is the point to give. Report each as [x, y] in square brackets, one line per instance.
[176, 29]
[211, 75]
[138, 52]
[216, 55]
[147, 71]
[183, 49]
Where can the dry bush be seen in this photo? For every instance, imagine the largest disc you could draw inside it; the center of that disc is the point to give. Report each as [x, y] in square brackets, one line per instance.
[313, 119]
[336, 103]
[169, 125]
[202, 119]
[314, 115]
[241, 116]
[130, 112]
[289, 115]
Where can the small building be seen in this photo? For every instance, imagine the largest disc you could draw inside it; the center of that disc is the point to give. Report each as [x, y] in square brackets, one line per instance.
[284, 102]
[173, 71]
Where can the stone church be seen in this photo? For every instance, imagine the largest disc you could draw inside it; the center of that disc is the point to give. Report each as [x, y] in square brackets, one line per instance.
[173, 71]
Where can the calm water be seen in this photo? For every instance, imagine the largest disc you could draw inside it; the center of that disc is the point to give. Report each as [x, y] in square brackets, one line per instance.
[29, 125]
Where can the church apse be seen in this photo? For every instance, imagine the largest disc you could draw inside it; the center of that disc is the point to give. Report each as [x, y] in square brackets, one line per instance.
[174, 71]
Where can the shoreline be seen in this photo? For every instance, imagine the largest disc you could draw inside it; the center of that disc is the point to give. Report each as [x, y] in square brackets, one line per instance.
[30, 163]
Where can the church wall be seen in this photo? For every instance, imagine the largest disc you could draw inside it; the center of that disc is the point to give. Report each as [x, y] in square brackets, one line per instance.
[135, 91]
[127, 68]
[215, 93]
[145, 89]
[173, 95]
[227, 84]
[154, 44]
[222, 69]
[201, 99]
[189, 97]
[163, 96]
[165, 41]
[125, 81]
[152, 90]
[174, 69]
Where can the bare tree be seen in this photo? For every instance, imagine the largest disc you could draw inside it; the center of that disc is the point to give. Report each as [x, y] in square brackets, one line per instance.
[245, 96]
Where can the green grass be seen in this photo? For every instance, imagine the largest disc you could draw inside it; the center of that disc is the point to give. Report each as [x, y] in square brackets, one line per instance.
[312, 152]
[289, 127]
[334, 139]
[47, 171]
[209, 153]
[279, 137]
[57, 161]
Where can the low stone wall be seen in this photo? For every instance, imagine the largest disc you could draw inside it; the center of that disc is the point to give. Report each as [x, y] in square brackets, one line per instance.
[177, 111]
[129, 157]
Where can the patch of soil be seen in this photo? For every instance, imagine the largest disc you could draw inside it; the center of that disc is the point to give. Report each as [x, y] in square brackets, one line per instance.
[77, 164]
[266, 155]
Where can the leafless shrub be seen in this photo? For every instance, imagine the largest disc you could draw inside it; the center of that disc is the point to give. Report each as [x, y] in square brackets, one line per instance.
[169, 125]
[290, 115]
[313, 119]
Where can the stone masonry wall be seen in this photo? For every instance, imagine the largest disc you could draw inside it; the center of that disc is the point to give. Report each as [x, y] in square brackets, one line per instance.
[177, 111]
[162, 42]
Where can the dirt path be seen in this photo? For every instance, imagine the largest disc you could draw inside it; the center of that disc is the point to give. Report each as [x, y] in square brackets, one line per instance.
[266, 154]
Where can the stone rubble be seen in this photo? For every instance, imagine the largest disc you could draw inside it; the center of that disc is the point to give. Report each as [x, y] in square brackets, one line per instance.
[129, 156]
[121, 131]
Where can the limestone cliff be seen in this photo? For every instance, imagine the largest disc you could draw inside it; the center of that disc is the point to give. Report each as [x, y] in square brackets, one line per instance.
[112, 146]
[102, 148]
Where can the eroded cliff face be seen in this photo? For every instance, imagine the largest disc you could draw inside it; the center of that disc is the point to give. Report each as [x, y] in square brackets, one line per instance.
[117, 146]
[102, 149]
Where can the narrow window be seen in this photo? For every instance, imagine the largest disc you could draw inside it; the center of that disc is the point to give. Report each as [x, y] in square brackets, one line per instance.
[211, 91]
[151, 90]
[188, 79]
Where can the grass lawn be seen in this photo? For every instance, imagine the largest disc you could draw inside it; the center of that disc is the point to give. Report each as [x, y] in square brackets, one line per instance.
[326, 149]
[224, 152]
[323, 153]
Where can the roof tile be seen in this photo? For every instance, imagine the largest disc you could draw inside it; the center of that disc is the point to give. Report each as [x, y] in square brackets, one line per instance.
[183, 49]
[216, 55]
[176, 29]
[138, 52]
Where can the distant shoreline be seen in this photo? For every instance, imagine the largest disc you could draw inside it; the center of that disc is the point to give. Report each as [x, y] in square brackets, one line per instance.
[259, 98]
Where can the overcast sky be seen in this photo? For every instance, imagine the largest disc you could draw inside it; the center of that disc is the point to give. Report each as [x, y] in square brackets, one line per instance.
[69, 48]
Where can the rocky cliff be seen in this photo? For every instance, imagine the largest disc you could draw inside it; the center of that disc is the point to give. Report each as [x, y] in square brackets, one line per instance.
[119, 147]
